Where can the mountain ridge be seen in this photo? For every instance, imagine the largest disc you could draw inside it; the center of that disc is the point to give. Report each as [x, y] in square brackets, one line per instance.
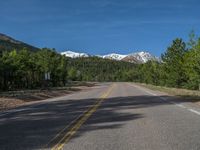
[136, 57]
[8, 43]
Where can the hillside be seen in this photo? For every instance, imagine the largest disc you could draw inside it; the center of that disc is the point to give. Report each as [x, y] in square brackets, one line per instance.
[8, 44]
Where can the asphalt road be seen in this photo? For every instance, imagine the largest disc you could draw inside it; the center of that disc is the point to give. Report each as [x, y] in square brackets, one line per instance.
[109, 116]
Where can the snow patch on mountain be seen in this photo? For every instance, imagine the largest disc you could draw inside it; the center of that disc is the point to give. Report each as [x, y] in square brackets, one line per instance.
[138, 57]
[114, 56]
[74, 54]
[142, 56]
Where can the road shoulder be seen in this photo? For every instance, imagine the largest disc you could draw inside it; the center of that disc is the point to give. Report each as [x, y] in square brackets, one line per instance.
[10, 102]
[185, 96]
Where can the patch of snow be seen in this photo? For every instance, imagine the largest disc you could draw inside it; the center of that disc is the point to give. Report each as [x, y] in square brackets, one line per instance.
[74, 54]
[114, 56]
[143, 56]
[140, 57]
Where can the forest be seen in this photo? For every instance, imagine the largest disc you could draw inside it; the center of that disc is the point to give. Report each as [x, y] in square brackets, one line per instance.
[26, 70]
[179, 67]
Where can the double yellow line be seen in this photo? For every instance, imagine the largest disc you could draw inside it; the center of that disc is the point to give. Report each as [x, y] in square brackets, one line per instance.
[59, 140]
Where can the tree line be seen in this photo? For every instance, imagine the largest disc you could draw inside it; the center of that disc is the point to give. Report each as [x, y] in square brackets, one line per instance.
[179, 66]
[26, 70]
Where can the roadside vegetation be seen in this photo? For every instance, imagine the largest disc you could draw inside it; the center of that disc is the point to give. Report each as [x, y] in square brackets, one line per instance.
[179, 67]
[24, 69]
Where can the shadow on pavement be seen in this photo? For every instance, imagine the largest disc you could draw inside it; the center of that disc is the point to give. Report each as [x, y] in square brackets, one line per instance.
[33, 127]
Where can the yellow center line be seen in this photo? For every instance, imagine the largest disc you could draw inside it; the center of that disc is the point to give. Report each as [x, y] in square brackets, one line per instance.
[77, 123]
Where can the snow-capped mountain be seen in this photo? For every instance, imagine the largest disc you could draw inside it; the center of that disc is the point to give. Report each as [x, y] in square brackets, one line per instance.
[74, 54]
[114, 56]
[138, 57]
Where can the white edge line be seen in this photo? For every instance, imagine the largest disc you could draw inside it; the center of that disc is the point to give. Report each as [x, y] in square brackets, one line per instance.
[180, 105]
[194, 111]
[163, 98]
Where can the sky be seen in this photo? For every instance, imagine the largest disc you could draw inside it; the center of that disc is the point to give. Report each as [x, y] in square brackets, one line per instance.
[100, 26]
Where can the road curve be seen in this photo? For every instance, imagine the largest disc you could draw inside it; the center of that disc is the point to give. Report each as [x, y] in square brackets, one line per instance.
[120, 116]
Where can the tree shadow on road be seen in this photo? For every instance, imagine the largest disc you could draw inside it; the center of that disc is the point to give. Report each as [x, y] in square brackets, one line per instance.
[33, 127]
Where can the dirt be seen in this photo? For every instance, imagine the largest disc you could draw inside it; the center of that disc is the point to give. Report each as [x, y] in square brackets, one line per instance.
[6, 103]
[9, 102]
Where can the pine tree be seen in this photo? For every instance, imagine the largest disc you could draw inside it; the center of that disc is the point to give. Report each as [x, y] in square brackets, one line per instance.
[173, 60]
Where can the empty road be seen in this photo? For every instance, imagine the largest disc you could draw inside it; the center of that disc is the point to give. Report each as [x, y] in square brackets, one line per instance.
[109, 116]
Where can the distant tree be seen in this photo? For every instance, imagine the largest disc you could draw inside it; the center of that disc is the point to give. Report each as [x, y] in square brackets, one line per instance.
[72, 74]
[192, 40]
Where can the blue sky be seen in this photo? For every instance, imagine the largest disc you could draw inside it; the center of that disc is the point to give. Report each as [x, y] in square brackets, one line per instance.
[100, 26]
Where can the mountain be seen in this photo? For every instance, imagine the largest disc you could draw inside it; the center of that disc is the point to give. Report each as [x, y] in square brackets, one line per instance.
[114, 56]
[74, 54]
[8, 44]
[138, 57]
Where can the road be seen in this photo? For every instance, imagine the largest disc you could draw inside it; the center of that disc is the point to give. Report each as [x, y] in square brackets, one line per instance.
[109, 116]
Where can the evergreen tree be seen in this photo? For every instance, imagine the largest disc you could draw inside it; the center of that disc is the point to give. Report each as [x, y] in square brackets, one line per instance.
[192, 66]
[173, 60]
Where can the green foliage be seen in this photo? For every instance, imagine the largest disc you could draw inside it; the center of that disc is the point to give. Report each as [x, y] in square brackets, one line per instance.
[173, 60]
[72, 74]
[192, 40]
[179, 67]
[98, 69]
[192, 66]
[24, 69]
